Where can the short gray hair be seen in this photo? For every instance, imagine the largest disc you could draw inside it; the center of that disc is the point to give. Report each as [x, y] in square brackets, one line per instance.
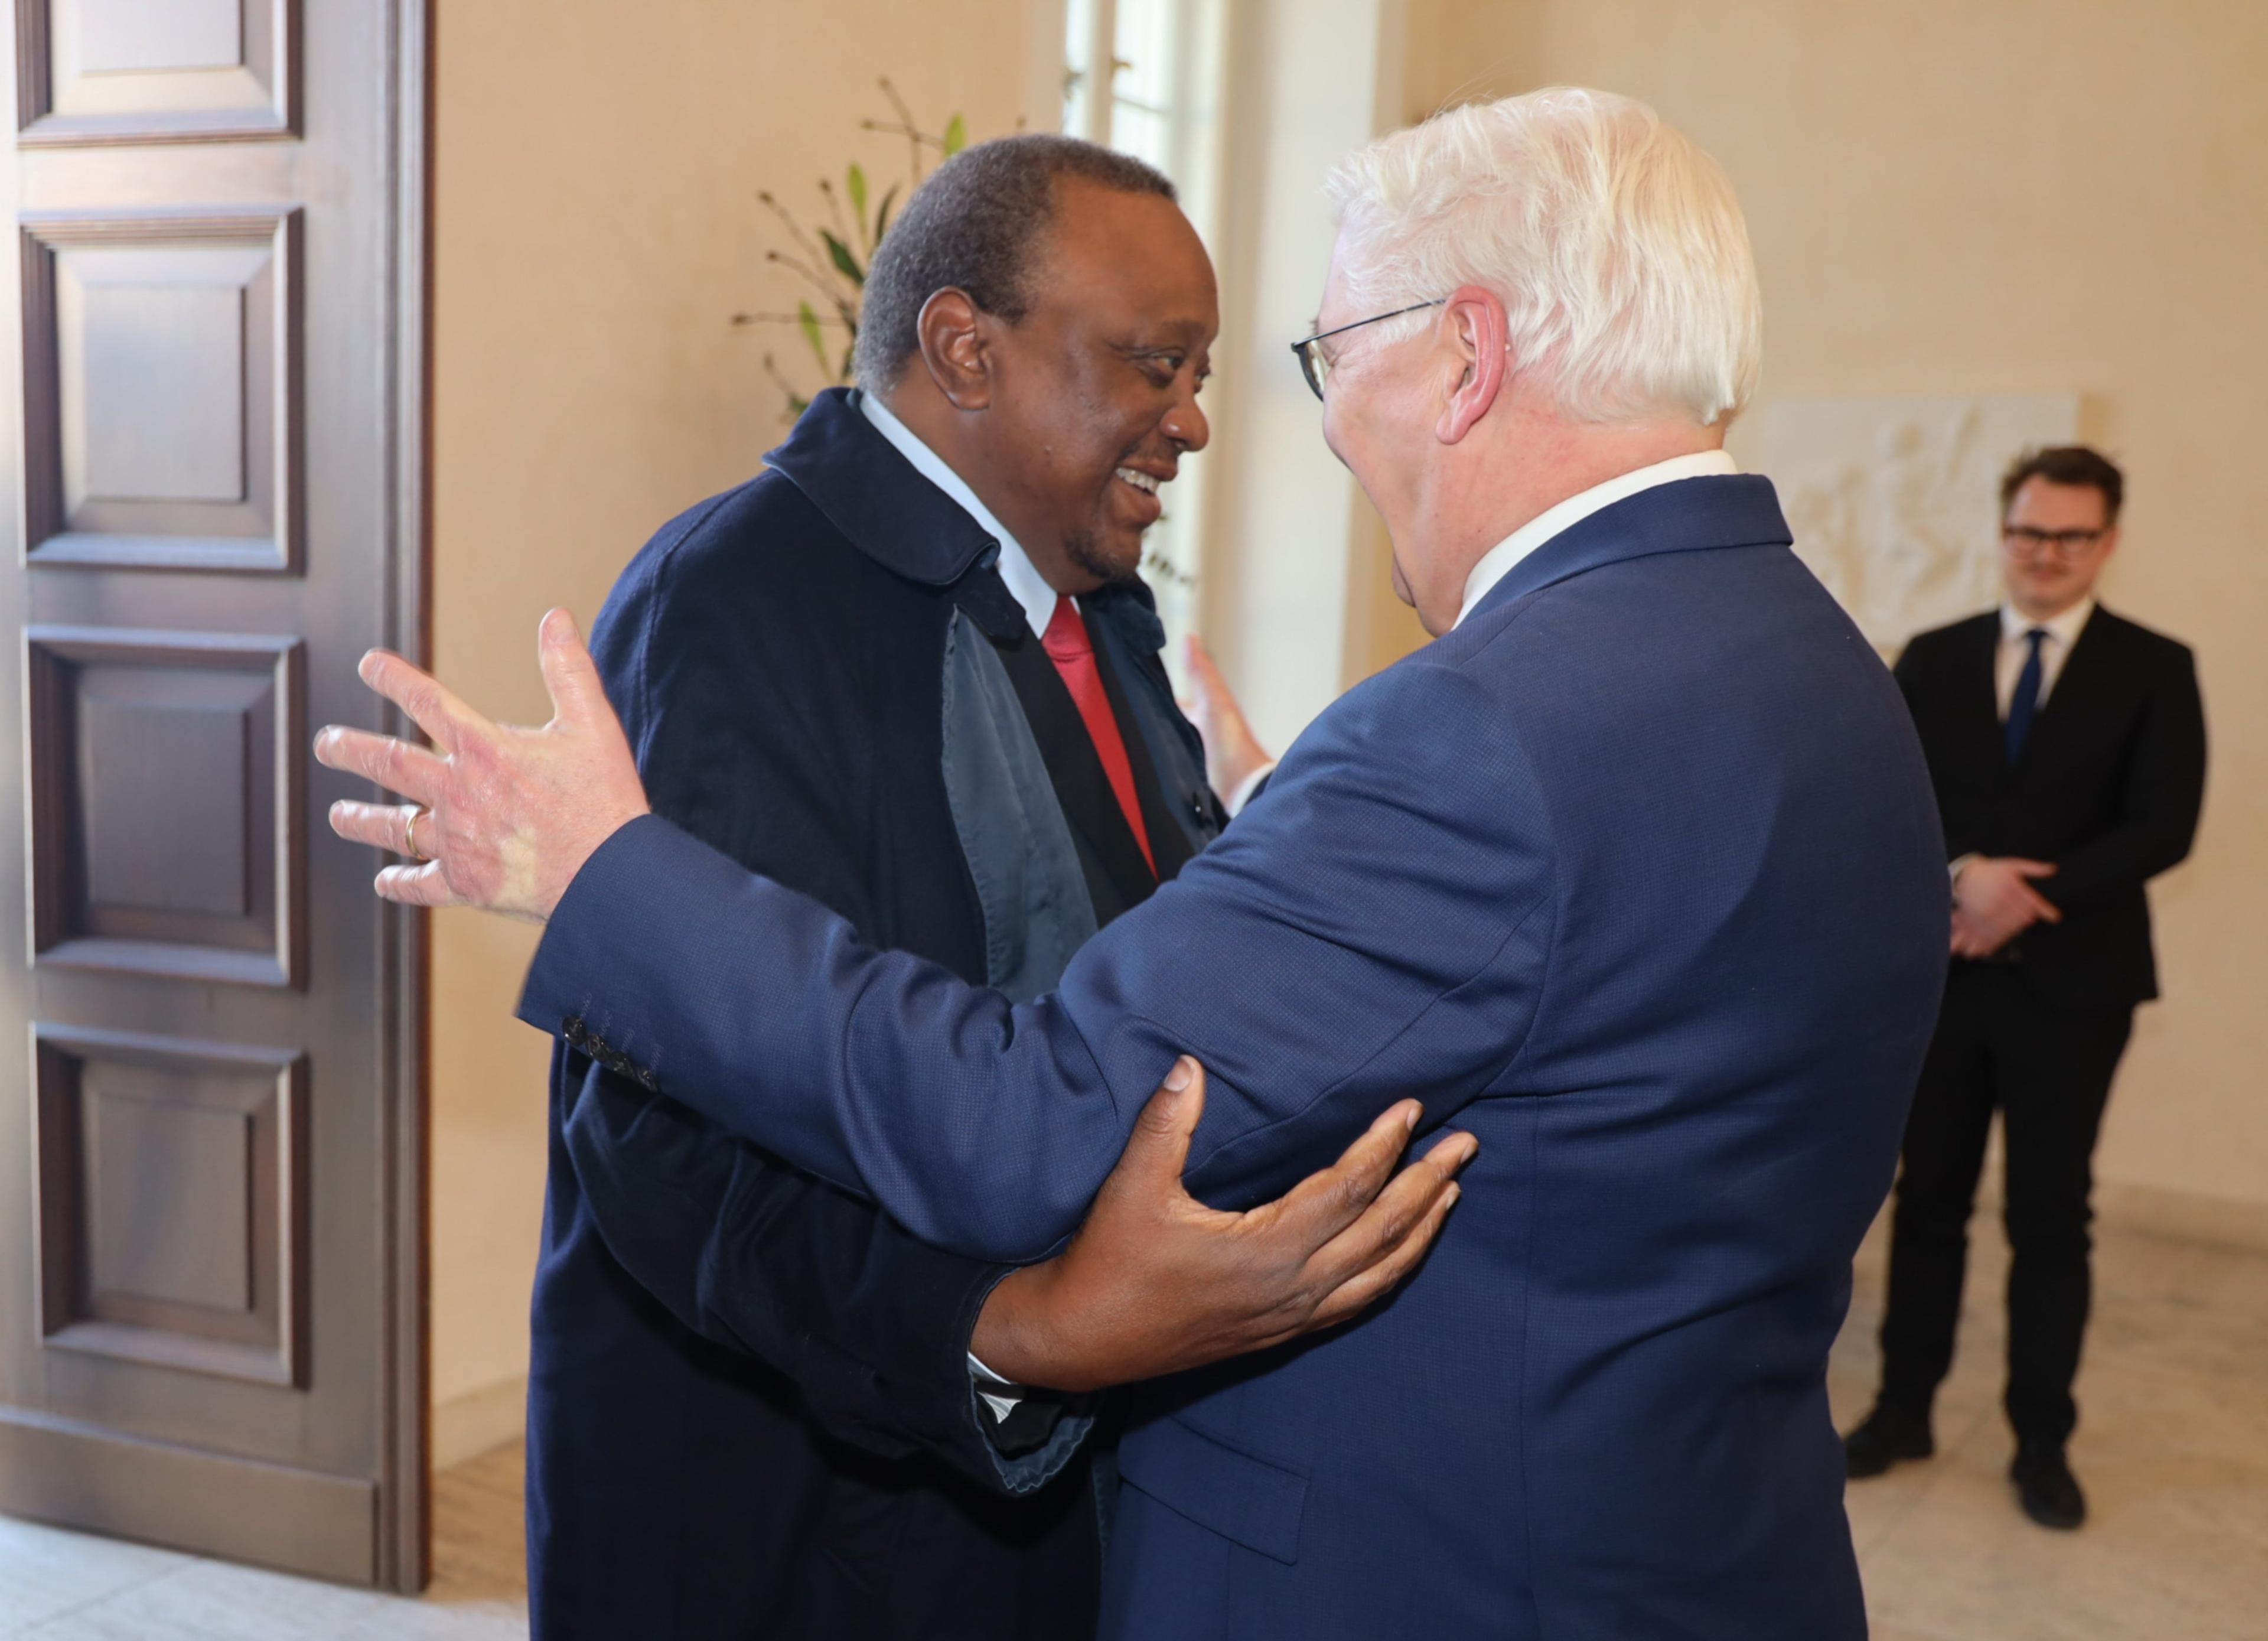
[1616, 245]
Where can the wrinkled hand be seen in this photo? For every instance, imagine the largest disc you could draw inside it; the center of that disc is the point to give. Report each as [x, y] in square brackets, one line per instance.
[1155, 1281]
[1231, 751]
[1994, 902]
[513, 813]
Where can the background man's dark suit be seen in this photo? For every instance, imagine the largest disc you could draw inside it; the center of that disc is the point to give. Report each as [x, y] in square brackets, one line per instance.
[784, 657]
[2107, 787]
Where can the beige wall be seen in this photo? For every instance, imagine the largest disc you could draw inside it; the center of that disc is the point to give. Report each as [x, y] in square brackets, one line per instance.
[596, 227]
[1955, 196]
[1286, 526]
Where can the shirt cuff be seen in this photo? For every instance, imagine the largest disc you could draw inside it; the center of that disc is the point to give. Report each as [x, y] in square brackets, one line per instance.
[1246, 788]
[1000, 1395]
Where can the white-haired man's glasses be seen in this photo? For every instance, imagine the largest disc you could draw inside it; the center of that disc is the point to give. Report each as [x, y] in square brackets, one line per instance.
[1316, 366]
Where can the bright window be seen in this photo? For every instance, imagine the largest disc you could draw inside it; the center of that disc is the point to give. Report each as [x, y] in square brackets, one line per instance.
[1156, 94]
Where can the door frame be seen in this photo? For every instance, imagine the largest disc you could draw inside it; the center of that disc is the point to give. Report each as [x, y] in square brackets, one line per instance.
[405, 1527]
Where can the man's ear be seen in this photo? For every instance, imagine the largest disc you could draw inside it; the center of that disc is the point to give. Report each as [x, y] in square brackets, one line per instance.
[1472, 322]
[953, 350]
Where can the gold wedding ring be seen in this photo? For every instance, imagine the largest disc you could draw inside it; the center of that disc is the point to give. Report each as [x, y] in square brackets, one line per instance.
[409, 833]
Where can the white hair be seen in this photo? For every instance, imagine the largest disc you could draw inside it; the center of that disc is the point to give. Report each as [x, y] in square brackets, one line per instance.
[1615, 246]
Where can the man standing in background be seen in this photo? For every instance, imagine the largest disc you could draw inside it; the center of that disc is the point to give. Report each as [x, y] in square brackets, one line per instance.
[2068, 748]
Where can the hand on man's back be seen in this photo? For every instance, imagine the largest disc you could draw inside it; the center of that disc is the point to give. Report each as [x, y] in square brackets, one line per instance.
[1155, 1281]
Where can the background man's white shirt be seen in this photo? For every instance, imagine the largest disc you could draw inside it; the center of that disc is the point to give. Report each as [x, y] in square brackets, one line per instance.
[2009, 663]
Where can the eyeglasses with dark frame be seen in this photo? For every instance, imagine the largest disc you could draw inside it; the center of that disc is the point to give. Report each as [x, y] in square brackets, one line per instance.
[2064, 544]
[1317, 369]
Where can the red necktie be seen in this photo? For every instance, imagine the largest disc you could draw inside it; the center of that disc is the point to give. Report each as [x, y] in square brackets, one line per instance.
[1069, 647]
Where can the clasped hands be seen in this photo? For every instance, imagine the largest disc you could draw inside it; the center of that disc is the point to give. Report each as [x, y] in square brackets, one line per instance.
[1994, 902]
[1154, 1281]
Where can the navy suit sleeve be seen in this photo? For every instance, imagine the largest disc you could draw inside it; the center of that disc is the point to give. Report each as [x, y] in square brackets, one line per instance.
[871, 1324]
[1379, 927]
[2158, 810]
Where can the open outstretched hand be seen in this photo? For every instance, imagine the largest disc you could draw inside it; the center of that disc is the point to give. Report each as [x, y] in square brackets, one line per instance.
[499, 817]
[1234, 754]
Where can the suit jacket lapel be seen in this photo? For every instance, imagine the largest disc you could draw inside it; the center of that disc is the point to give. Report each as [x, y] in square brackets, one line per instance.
[2084, 671]
[1169, 845]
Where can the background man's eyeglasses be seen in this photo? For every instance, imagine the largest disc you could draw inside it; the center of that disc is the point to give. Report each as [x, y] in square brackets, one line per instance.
[1317, 369]
[2063, 543]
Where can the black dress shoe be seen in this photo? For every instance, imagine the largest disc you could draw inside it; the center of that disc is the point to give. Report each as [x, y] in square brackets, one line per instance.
[1887, 1435]
[2047, 1489]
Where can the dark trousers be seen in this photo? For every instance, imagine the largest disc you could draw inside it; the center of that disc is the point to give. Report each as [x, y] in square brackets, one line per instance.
[2047, 1070]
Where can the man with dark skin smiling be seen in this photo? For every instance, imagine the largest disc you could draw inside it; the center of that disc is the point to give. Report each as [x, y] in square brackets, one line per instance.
[910, 669]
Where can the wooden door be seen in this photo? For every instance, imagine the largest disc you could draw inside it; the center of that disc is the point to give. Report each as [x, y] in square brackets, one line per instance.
[212, 1216]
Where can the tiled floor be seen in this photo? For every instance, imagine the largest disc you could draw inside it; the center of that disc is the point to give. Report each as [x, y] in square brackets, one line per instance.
[2172, 1449]
[2174, 1452]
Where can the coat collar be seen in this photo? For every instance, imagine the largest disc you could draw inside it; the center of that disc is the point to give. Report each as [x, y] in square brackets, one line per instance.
[874, 496]
[885, 509]
[1732, 510]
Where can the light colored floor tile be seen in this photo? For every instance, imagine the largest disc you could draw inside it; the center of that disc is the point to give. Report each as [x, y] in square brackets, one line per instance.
[2172, 1449]
[45, 1572]
[212, 1600]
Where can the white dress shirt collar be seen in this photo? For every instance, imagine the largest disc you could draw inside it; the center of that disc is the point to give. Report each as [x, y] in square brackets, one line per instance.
[2014, 650]
[1554, 520]
[2063, 630]
[1024, 580]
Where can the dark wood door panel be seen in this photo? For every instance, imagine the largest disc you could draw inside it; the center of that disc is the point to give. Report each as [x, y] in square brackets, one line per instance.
[161, 398]
[155, 70]
[172, 1201]
[168, 827]
[215, 1504]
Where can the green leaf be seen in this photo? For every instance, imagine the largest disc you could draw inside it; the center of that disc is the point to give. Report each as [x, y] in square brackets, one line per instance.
[850, 356]
[845, 264]
[809, 322]
[797, 404]
[882, 213]
[855, 185]
[957, 135]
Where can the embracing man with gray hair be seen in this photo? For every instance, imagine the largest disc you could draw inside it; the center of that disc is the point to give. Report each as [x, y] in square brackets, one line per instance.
[1633, 873]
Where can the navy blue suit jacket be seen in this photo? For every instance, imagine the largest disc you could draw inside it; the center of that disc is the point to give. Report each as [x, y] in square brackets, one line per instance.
[773, 1432]
[1637, 876]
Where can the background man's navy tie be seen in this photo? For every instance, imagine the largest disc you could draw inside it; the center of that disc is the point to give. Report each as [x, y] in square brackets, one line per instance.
[2026, 701]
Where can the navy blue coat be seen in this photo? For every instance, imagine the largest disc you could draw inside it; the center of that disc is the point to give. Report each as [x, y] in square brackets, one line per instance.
[775, 1436]
[1637, 876]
